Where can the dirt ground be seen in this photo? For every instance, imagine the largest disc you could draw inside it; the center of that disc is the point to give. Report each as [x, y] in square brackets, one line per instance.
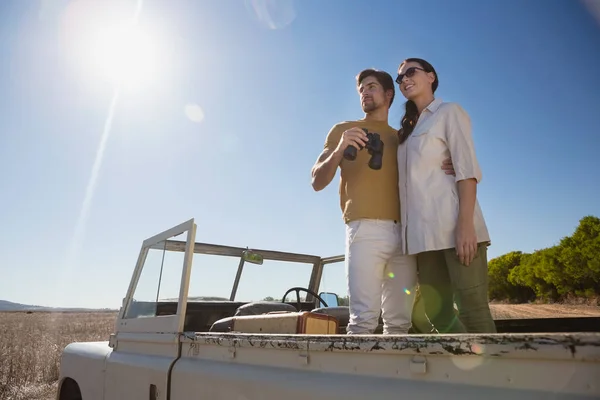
[520, 311]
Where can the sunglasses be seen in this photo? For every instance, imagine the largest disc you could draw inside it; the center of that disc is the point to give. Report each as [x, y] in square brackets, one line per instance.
[410, 72]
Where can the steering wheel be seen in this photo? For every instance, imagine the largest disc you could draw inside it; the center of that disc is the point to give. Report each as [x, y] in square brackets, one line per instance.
[298, 290]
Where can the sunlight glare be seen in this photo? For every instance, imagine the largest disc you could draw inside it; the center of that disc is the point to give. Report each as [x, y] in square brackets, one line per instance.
[124, 56]
[105, 44]
[119, 77]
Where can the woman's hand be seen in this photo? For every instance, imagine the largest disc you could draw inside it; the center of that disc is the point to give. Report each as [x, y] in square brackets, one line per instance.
[466, 242]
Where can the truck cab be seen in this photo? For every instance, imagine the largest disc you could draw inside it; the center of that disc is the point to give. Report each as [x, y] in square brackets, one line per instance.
[171, 341]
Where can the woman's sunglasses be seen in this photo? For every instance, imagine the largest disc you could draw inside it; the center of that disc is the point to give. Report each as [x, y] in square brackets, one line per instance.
[410, 72]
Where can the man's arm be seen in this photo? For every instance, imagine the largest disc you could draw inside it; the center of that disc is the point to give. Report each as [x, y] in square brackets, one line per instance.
[325, 168]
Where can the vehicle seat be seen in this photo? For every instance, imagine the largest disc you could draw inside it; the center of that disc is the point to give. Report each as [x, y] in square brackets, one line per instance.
[289, 323]
[263, 307]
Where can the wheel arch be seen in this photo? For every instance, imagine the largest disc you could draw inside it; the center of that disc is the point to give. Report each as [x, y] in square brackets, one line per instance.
[68, 389]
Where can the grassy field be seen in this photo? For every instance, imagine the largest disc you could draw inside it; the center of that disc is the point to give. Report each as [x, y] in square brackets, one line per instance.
[31, 344]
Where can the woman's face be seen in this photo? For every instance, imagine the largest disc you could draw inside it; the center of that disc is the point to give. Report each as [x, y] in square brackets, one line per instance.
[413, 81]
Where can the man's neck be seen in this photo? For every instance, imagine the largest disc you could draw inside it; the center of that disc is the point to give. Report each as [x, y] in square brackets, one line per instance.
[424, 101]
[379, 115]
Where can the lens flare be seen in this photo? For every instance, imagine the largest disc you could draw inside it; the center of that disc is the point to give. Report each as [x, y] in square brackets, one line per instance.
[273, 14]
[478, 348]
[194, 112]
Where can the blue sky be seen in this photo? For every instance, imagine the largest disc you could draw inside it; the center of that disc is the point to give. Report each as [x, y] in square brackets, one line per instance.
[269, 90]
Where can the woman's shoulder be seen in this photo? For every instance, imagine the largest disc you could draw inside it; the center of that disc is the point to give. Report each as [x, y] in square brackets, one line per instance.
[451, 107]
[453, 112]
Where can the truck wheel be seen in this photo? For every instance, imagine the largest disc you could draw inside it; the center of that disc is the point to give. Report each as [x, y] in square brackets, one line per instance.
[69, 390]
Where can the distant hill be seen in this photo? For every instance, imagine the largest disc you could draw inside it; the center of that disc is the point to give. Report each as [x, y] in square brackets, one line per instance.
[10, 306]
[198, 298]
[6, 305]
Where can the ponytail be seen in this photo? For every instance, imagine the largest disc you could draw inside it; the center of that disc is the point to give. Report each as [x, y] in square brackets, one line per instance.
[408, 121]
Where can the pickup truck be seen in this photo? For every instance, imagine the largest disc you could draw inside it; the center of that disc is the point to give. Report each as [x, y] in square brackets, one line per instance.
[185, 347]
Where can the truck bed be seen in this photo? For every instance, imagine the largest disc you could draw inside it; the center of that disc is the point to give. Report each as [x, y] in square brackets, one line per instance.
[527, 366]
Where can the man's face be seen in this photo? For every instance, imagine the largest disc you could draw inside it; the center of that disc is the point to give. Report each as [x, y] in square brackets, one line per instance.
[372, 95]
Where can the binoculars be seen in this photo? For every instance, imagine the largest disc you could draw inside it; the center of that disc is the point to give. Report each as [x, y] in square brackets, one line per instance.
[374, 146]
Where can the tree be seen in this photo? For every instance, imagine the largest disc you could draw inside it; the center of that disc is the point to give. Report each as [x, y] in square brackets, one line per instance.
[571, 268]
[536, 271]
[500, 288]
[580, 255]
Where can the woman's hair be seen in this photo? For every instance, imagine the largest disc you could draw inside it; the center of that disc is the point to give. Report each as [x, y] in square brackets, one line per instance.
[409, 120]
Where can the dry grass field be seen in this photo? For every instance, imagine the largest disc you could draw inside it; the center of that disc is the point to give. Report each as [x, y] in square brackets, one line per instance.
[31, 344]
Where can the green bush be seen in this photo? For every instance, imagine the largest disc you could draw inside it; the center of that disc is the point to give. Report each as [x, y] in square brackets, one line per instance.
[569, 269]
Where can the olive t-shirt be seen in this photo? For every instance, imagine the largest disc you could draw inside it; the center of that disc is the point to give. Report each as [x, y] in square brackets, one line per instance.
[365, 192]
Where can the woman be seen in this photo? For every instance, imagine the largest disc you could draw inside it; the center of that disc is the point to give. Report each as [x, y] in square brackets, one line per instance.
[441, 218]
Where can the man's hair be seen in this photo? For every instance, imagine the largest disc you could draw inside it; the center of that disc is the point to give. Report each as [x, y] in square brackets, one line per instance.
[384, 79]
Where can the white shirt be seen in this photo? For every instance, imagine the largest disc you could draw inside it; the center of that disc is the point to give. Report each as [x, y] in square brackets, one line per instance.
[429, 202]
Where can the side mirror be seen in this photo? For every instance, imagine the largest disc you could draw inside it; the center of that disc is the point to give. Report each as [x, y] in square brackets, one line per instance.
[330, 298]
[252, 257]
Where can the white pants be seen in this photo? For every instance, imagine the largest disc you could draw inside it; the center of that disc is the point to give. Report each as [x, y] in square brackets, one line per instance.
[380, 278]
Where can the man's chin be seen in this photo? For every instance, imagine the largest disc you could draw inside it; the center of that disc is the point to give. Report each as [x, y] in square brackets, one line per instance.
[369, 108]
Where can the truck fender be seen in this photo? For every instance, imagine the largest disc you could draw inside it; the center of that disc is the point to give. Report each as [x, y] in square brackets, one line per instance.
[82, 369]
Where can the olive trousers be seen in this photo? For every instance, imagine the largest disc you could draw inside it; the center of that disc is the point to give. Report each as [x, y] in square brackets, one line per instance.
[443, 281]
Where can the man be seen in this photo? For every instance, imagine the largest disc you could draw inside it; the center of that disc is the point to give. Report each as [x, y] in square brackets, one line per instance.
[380, 278]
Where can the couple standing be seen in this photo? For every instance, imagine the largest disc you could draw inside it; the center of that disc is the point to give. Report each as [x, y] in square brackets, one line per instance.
[409, 224]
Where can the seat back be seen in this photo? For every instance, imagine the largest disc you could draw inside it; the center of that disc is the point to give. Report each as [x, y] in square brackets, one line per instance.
[279, 322]
[263, 307]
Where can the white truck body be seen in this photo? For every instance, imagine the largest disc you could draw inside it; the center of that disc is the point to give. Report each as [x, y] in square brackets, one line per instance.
[155, 355]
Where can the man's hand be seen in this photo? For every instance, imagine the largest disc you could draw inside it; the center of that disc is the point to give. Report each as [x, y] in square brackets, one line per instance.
[448, 167]
[352, 137]
[326, 165]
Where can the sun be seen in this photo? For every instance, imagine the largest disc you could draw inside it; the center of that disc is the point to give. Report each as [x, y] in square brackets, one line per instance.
[112, 42]
[123, 56]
